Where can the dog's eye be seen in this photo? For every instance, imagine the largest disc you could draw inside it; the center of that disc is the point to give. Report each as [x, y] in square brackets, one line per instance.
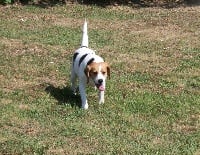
[95, 73]
[103, 73]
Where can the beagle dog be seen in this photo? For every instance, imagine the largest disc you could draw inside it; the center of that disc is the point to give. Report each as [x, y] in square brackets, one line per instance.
[88, 68]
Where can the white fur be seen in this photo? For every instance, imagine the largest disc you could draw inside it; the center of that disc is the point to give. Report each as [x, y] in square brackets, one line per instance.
[85, 35]
[77, 69]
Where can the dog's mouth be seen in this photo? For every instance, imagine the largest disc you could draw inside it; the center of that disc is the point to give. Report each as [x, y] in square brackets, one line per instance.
[100, 87]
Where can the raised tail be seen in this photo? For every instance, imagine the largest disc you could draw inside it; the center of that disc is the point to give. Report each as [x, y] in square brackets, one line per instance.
[84, 42]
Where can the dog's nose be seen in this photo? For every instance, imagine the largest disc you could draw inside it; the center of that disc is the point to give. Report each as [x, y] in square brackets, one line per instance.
[100, 81]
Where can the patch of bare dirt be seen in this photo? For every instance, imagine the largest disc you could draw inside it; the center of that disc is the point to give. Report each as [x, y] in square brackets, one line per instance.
[6, 101]
[191, 124]
[77, 145]
[25, 127]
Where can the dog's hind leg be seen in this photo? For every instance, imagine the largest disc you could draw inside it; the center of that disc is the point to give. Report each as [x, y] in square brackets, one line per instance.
[82, 89]
[73, 82]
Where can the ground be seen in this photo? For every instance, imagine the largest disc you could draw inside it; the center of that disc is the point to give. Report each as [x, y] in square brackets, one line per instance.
[152, 99]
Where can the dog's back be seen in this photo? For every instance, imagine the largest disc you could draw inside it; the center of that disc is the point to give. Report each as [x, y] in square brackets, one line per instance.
[84, 56]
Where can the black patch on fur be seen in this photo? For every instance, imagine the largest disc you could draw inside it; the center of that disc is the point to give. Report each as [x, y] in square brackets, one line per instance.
[75, 55]
[90, 61]
[82, 58]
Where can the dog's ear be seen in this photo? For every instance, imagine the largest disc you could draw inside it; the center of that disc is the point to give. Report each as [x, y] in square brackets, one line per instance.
[87, 72]
[108, 70]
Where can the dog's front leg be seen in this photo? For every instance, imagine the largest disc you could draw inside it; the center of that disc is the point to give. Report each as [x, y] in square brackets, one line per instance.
[82, 89]
[101, 97]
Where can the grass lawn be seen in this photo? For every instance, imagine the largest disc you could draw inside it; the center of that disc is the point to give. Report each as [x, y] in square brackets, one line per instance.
[152, 102]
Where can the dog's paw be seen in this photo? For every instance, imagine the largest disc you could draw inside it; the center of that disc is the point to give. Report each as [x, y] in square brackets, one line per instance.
[101, 102]
[75, 91]
[85, 106]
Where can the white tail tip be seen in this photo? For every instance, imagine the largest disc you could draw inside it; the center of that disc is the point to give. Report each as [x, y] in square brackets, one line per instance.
[85, 35]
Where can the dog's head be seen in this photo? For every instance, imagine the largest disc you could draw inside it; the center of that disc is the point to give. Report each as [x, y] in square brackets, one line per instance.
[98, 72]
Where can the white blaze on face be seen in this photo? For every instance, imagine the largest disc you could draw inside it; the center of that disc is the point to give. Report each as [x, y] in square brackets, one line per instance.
[100, 68]
[100, 76]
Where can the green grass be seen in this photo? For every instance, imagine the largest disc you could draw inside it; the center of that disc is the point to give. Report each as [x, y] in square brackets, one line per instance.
[152, 99]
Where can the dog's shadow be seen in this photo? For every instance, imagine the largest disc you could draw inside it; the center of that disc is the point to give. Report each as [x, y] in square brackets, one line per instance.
[64, 95]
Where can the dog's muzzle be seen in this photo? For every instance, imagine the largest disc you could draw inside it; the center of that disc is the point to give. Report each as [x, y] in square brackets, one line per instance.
[99, 85]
